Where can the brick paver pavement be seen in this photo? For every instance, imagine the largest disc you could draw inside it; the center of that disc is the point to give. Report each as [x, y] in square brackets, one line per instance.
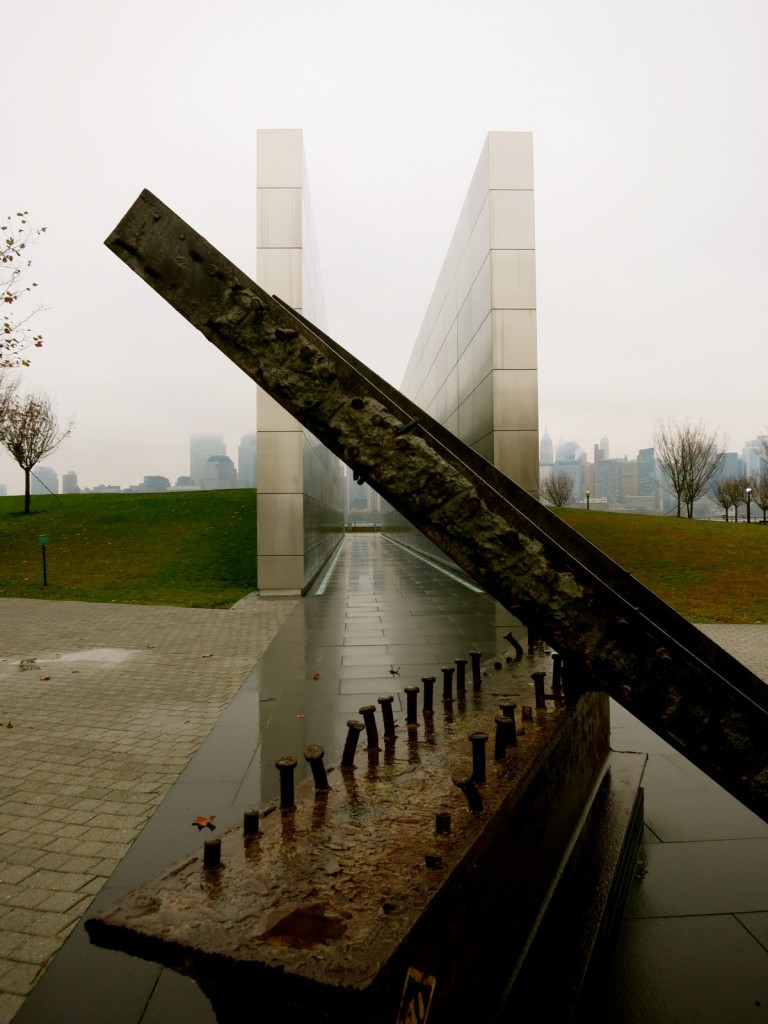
[101, 707]
[747, 643]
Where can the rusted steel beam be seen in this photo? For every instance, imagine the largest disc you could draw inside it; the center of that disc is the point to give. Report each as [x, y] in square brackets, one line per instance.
[612, 632]
[331, 905]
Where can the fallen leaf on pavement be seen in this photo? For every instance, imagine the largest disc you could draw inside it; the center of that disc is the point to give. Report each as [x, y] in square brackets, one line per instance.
[44, 678]
[317, 676]
[204, 823]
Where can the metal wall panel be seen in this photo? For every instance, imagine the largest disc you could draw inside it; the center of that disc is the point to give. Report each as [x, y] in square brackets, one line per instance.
[281, 521]
[474, 363]
[278, 218]
[300, 507]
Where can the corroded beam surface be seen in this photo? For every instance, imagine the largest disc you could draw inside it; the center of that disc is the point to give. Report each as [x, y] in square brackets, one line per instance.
[613, 634]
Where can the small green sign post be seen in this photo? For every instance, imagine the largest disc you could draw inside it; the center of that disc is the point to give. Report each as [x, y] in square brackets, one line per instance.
[43, 540]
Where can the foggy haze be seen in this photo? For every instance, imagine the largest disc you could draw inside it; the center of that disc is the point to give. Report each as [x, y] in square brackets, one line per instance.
[650, 153]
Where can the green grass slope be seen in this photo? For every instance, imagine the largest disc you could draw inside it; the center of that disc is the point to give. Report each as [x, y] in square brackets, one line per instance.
[192, 548]
[707, 571]
[198, 549]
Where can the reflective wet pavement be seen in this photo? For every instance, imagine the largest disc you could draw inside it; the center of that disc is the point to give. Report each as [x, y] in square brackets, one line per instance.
[694, 943]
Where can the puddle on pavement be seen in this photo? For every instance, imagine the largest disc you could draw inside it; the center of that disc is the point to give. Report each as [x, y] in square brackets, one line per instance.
[113, 655]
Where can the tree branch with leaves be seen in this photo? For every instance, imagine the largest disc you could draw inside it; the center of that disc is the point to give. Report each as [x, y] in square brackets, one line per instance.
[9, 387]
[16, 335]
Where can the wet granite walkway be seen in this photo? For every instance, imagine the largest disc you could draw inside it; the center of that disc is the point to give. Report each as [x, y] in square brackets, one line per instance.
[694, 943]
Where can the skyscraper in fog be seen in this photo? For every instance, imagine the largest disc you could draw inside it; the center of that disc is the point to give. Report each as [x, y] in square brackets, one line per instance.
[69, 483]
[546, 449]
[246, 461]
[220, 472]
[44, 480]
[201, 448]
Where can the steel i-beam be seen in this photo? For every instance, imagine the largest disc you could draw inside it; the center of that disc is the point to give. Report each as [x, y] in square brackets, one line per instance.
[613, 634]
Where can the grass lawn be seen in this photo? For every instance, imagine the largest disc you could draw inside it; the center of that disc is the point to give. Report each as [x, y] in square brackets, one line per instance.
[707, 571]
[198, 548]
[191, 548]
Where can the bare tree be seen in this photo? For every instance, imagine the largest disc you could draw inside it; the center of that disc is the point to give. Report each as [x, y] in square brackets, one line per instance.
[722, 494]
[760, 491]
[690, 456]
[740, 485]
[30, 432]
[558, 489]
[730, 491]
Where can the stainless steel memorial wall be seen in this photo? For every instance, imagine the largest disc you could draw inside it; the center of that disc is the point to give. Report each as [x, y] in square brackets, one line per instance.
[473, 367]
[300, 484]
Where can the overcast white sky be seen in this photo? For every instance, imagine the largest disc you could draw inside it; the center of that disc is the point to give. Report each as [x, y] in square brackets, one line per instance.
[651, 176]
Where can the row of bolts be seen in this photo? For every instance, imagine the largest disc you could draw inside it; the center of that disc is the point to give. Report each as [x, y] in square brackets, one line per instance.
[506, 736]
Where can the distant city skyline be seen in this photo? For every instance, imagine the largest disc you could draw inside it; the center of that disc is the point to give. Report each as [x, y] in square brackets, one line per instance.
[12, 478]
[637, 482]
[630, 448]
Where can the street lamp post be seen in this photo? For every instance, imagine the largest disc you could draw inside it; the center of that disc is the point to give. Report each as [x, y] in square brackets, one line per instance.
[587, 501]
[749, 504]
